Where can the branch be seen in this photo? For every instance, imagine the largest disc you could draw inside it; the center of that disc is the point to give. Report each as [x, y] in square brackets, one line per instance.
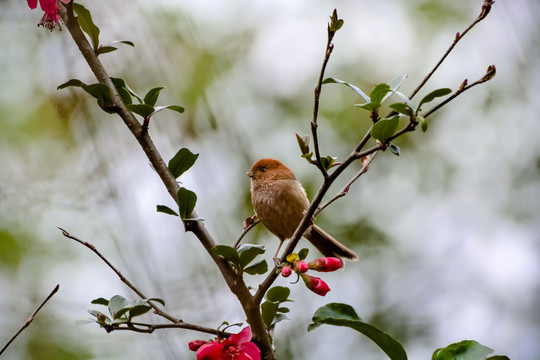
[250, 225]
[365, 167]
[486, 7]
[150, 328]
[30, 319]
[234, 281]
[157, 310]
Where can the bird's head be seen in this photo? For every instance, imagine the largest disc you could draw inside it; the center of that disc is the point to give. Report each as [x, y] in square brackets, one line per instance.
[270, 169]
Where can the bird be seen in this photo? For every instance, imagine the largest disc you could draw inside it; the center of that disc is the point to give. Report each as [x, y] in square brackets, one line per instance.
[280, 203]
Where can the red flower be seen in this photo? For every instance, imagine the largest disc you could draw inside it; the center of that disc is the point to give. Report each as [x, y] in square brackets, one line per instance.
[236, 347]
[326, 264]
[51, 18]
[315, 284]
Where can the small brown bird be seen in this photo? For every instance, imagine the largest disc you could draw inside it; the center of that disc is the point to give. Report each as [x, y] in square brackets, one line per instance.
[280, 202]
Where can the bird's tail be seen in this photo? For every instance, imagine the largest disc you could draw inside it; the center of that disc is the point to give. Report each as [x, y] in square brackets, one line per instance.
[327, 245]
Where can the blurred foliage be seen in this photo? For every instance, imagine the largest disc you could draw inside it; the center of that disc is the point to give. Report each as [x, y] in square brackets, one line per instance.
[64, 162]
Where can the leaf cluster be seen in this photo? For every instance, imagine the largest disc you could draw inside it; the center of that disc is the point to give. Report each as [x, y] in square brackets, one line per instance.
[242, 260]
[121, 310]
[272, 310]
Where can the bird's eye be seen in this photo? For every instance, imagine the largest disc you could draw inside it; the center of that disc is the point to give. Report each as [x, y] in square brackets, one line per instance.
[262, 169]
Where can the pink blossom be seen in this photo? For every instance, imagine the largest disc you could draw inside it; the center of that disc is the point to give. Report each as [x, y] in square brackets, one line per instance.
[51, 18]
[286, 271]
[236, 347]
[301, 266]
[326, 264]
[315, 284]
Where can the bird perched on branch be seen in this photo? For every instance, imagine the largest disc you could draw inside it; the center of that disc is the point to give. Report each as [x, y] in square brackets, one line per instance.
[280, 202]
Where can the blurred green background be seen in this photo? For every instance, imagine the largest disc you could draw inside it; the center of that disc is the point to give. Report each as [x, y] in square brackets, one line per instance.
[448, 232]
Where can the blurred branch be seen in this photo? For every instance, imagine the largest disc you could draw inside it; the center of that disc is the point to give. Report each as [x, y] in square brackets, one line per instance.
[30, 319]
[486, 7]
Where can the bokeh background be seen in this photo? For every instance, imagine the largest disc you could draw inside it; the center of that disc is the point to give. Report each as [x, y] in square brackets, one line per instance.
[448, 232]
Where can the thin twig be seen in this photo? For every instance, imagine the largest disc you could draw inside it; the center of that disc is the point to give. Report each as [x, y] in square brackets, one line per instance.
[30, 319]
[150, 328]
[246, 229]
[157, 310]
[317, 94]
[345, 189]
[486, 7]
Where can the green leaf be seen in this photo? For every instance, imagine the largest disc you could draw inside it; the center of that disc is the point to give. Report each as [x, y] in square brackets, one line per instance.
[99, 91]
[463, 350]
[161, 301]
[401, 108]
[109, 47]
[327, 162]
[278, 294]
[423, 122]
[279, 317]
[248, 252]
[124, 95]
[257, 268]
[378, 94]
[151, 96]
[353, 88]
[138, 310]
[268, 312]
[72, 82]
[344, 315]
[87, 24]
[433, 95]
[116, 304]
[303, 253]
[100, 301]
[405, 99]
[385, 128]
[228, 253]
[121, 83]
[141, 109]
[177, 108]
[181, 162]
[335, 22]
[166, 210]
[186, 202]
[396, 82]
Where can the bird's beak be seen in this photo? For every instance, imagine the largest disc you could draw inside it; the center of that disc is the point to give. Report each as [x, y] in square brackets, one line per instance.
[250, 173]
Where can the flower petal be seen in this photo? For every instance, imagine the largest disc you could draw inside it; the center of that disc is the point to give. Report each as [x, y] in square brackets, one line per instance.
[32, 4]
[242, 337]
[211, 351]
[250, 351]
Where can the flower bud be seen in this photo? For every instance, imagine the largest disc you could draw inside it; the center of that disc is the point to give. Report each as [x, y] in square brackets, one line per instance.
[326, 264]
[301, 266]
[286, 271]
[196, 344]
[315, 284]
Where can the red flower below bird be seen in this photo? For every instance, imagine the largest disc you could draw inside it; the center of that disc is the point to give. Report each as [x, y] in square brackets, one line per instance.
[236, 347]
